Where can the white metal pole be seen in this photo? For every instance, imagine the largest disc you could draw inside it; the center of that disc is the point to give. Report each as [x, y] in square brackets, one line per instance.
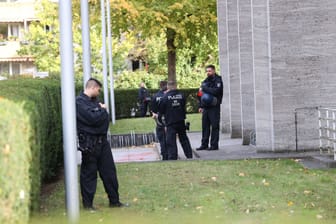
[102, 9]
[109, 35]
[68, 110]
[328, 131]
[320, 130]
[86, 41]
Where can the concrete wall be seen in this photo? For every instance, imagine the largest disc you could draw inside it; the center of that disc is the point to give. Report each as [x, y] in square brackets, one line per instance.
[263, 75]
[224, 65]
[281, 59]
[246, 69]
[303, 68]
[234, 69]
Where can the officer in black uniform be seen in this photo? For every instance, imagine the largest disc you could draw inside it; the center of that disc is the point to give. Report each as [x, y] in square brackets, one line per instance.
[157, 116]
[172, 106]
[144, 99]
[92, 126]
[210, 98]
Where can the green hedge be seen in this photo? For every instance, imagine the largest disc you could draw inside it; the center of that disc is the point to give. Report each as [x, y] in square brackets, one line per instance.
[15, 159]
[41, 102]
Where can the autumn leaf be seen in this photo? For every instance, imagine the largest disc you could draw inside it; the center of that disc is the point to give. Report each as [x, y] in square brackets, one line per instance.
[265, 182]
[306, 192]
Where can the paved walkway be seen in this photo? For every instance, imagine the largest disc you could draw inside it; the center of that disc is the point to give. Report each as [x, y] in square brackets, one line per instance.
[229, 149]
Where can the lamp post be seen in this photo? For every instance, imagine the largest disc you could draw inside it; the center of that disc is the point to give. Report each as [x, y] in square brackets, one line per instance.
[68, 110]
[109, 36]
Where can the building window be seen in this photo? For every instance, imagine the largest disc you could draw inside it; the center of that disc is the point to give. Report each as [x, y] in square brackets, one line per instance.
[3, 32]
[15, 68]
[15, 30]
[4, 68]
[135, 65]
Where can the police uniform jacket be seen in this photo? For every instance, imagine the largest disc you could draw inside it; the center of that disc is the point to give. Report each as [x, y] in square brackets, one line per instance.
[213, 85]
[92, 119]
[142, 94]
[155, 105]
[172, 106]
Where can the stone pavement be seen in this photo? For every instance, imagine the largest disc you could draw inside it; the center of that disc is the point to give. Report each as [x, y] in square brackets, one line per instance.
[229, 149]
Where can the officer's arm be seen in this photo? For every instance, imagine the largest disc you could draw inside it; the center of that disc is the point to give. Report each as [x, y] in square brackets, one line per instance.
[91, 115]
[154, 106]
[215, 91]
[162, 106]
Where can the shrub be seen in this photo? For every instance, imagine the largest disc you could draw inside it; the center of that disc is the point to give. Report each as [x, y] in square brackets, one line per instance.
[15, 160]
[41, 104]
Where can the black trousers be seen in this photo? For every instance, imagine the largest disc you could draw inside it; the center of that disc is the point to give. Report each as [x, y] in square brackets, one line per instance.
[100, 160]
[143, 108]
[210, 124]
[161, 135]
[179, 129]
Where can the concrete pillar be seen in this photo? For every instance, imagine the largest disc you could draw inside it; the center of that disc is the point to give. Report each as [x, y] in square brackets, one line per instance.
[224, 64]
[263, 75]
[234, 69]
[246, 69]
[303, 41]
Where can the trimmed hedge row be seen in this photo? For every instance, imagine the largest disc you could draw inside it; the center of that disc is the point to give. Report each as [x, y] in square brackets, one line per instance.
[40, 100]
[15, 160]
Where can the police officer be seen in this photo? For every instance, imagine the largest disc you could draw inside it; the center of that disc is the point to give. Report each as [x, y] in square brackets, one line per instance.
[173, 107]
[157, 116]
[144, 99]
[210, 98]
[92, 126]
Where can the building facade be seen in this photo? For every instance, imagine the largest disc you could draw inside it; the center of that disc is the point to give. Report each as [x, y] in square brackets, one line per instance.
[277, 60]
[15, 18]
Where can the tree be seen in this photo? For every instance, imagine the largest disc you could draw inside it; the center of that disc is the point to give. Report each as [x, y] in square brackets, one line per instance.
[186, 24]
[43, 38]
[185, 33]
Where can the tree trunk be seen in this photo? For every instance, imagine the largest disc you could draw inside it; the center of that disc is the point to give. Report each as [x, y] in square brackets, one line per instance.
[171, 54]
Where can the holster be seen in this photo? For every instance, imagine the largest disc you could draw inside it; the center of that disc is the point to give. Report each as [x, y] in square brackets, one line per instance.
[87, 143]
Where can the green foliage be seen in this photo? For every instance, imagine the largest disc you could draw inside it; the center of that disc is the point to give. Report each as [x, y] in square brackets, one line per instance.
[131, 80]
[41, 100]
[138, 33]
[43, 38]
[186, 24]
[15, 159]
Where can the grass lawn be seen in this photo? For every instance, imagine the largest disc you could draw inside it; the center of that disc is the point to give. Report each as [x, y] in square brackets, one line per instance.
[147, 124]
[246, 191]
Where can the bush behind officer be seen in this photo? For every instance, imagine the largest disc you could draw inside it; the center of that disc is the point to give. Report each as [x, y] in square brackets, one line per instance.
[173, 107]
[210, 98]
[92, 126]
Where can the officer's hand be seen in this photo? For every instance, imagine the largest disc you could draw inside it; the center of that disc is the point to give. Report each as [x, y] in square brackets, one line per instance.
[200, 110]
[102, 105]
[154, 115]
